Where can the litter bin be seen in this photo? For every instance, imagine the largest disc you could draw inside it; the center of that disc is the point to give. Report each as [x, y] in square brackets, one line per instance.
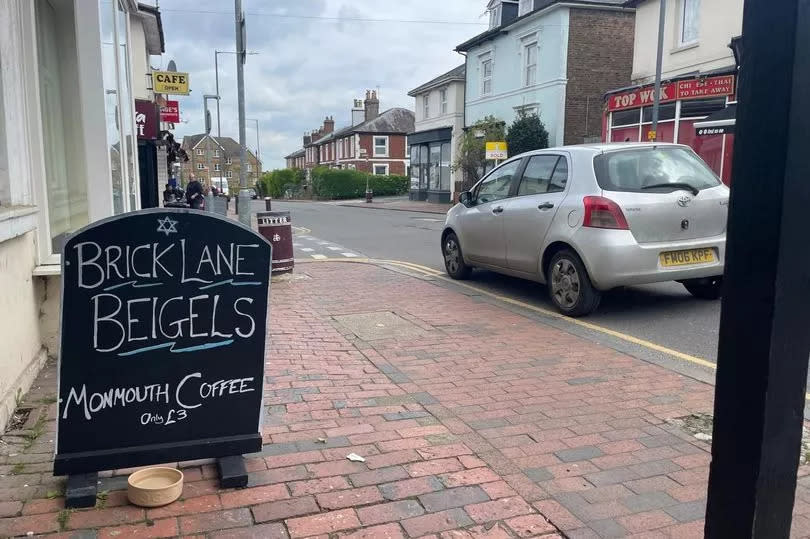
[268, 203]
[276, 226]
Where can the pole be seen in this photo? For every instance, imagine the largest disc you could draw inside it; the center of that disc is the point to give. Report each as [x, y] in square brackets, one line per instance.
[662, 14]
[216, 76]
[205, 123]
[763, 346]
[244, 197]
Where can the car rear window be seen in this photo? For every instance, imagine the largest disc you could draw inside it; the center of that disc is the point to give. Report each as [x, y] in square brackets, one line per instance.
[652, 170]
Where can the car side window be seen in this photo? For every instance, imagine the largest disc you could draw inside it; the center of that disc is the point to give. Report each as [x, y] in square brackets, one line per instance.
[538, 174]
[560, 176]
[496, 185]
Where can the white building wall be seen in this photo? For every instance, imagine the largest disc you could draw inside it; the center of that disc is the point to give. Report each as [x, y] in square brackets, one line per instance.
[509, 92]
[140, 60]
[719, 21]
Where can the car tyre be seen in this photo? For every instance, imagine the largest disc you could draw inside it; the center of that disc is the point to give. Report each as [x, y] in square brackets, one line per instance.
[710, 288]
[569, 285]
[453, 258]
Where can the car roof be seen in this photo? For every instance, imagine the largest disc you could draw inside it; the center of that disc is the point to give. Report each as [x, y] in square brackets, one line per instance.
[602, 147]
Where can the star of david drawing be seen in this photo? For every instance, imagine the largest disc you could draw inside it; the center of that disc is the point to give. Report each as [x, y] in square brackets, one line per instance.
[167, 225]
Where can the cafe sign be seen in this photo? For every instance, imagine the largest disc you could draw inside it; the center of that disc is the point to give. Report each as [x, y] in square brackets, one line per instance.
[698, 88]
[170, 82]
[162, 341]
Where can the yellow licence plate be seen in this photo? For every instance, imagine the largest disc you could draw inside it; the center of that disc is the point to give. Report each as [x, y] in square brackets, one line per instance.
[687, 257]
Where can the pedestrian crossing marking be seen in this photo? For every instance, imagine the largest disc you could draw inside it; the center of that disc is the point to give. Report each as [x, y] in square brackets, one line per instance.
[319, 257]
[307, 249]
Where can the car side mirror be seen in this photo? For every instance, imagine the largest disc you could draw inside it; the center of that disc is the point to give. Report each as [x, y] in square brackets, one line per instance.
[465, 198]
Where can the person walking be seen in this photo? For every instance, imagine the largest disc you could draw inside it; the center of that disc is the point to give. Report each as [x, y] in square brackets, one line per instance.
[194, 194]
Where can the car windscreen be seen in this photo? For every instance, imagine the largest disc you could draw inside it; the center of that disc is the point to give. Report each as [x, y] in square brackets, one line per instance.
[653, 169]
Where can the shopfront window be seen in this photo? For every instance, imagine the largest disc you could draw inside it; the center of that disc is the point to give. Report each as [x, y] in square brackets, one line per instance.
[424, 162]
[435, 158]
[119, 107]
[415, 168]
[445, 167]
[66, 190]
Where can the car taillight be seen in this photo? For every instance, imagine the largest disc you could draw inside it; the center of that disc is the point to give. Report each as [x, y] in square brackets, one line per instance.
[601, 212]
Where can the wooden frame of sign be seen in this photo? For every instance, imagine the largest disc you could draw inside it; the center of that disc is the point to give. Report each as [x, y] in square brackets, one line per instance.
[162, 344]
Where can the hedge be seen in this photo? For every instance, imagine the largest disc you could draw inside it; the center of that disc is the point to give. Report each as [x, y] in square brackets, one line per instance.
[345, 183]
[275, 183]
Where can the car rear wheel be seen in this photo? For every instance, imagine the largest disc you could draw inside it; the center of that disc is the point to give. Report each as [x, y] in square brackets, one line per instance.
[569, 286]
[708, 288]
[453, 259]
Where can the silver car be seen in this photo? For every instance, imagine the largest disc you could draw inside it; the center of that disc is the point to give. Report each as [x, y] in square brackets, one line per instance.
[588, 218]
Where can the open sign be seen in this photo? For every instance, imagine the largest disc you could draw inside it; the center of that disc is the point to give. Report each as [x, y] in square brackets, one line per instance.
[170, 82]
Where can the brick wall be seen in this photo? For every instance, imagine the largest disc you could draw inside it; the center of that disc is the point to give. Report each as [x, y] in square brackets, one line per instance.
[600, 58]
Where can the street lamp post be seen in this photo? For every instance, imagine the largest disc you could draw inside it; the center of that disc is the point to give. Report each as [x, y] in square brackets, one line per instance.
[207, 119]
[216, 78]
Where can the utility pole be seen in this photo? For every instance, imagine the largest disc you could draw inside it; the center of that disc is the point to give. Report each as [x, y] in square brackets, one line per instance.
[258, 149]
[206, 97]
[662, 14]
[216, 78]
[244, 197]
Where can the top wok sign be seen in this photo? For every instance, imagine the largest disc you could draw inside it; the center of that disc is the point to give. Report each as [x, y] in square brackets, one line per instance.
[684, 89]
[170, 82]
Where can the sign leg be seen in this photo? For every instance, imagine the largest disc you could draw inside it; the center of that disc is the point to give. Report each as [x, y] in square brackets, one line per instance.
[81, 490]
[232, 472]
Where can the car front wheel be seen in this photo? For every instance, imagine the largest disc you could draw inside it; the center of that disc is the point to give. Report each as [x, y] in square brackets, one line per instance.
[708, 288]
[453, 259]
[569, 286]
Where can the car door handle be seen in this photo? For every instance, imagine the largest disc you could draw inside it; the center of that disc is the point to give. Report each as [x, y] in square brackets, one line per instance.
[545, 206]
[498, 209]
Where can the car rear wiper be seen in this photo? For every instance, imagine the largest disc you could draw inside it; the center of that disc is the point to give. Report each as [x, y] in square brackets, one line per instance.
[691, 188]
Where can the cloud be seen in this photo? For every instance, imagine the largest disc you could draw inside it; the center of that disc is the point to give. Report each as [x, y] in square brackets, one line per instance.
[308, 68]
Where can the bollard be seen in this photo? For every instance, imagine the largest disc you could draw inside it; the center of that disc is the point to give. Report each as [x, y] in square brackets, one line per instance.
[369, 195]
[268, 202]
[276, 226]
[236, 198]
[209, 201]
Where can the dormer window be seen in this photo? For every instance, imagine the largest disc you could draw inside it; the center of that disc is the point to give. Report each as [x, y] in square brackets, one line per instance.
[495, 11]
[525, 7]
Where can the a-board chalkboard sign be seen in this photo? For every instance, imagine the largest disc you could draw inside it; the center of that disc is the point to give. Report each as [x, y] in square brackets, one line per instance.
[162, 340]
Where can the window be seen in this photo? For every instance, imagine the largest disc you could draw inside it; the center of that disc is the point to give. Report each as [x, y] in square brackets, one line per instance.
[200, 151]
[381, 170]
[381, 146]
[525, 7]
[216, 153]
[249, 168]
[230, 174]
[486, 74]
[541, 175]
[426, 106]
[200, 166]
[216, 167]
[434, 176]
[495, 16]
[228, 161]
[530, 64]
[644, 170]
[527, 110]
[690, 22]
[496, 185]
[443, 100]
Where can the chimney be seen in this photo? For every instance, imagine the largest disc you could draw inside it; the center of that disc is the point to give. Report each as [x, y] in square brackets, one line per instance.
[328, 125]
[372, 105]
[358, 112]
[307, 139]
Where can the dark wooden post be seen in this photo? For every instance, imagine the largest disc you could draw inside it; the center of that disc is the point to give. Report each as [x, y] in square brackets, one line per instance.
[765, 321]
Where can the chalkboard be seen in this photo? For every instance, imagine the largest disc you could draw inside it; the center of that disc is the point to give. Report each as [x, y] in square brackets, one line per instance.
[162, 340]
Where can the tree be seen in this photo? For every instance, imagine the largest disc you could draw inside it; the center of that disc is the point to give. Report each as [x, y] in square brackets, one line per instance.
[471, 158]
[526, 133]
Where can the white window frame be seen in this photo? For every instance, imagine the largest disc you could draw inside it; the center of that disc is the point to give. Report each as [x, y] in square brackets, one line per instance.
[528, 48]
[426, 106]
[200, 151]
[216, 153]
[483, 59]
[228, 161]
[200, 166]
[216, 167]
[374, 169]
[682, 23]
[248, 167]
[230, 174]
[375, 146]
[495, 16]
[525, 7]
[443, 101]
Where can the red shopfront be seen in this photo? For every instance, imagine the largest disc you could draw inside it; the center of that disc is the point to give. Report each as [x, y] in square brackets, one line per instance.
[684, 102]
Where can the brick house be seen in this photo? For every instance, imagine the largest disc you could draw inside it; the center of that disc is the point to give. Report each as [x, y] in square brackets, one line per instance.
[550, 57]
[375, 142]
[296, 159]
[217, 157]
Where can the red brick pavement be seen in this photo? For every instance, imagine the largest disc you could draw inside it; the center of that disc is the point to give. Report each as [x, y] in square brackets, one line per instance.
[479, 423]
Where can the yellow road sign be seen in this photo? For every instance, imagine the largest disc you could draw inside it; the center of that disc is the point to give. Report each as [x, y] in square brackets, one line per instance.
[170, 82]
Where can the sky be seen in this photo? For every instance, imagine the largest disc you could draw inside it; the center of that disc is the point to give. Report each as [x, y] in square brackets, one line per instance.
[314, 58]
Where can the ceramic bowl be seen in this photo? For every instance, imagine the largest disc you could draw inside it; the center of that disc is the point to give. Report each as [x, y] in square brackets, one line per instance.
[153, 487]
